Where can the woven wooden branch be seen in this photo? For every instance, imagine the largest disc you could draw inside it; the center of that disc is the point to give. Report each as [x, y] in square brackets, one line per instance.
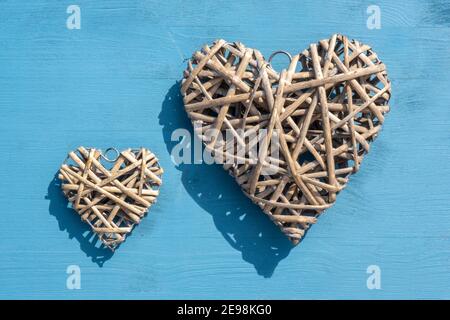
[326, 108]
[111, 200]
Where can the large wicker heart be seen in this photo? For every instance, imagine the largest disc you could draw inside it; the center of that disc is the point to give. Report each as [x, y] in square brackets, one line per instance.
[111, 200]
[323, 110]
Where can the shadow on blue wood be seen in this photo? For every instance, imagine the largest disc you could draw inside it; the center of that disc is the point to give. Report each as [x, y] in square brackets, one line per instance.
[68, 220]
[241, 223]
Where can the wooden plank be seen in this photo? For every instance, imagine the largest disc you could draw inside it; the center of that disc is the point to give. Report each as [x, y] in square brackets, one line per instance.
[113, 83]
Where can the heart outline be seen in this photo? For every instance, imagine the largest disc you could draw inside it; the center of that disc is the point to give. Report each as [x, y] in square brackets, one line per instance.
[224, 78]
[111, 201]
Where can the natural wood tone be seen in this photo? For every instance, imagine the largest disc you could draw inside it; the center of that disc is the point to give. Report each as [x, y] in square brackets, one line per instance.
[328, 105]
[111, 200]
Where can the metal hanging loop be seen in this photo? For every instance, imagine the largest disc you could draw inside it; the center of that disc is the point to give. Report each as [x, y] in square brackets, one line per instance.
[269, 61]
[106, 158]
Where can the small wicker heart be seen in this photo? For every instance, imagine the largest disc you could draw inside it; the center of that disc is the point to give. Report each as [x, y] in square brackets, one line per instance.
[324, 111]
[111, 200]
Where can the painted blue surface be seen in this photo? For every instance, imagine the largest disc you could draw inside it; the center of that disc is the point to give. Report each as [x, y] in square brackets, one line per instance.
[114, 83]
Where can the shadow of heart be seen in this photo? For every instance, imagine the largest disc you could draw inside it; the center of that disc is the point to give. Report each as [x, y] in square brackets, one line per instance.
[241, 223]
[69, 220]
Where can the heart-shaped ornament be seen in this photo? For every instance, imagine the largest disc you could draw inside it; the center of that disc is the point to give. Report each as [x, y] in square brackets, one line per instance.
[314, 121]
[111, 195]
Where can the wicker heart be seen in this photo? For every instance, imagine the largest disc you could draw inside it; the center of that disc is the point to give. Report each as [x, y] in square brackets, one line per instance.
[324, 110]
[111, 200]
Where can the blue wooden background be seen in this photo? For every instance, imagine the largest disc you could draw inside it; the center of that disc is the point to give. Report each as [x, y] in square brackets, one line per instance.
[114, 83]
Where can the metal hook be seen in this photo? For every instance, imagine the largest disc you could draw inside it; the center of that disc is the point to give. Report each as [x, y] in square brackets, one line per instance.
[269, 61]
[278, 52]
[104, 155]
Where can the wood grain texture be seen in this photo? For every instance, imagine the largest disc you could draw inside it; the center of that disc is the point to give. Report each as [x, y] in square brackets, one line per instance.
[63, 88]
